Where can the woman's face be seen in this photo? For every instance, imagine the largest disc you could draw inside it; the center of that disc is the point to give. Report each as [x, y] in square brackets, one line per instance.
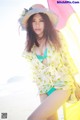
[38, 25]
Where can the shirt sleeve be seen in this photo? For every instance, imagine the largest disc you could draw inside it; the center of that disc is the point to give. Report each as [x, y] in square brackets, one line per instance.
[67, 59]
[27, 55]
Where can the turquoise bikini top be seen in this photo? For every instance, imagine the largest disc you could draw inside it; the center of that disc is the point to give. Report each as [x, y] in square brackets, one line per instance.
[42, 57]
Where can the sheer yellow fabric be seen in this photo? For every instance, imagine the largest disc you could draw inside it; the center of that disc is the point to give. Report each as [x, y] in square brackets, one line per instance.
[66, 52]
[72, 111]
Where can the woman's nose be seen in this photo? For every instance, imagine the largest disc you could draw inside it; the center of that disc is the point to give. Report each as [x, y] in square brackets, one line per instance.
[37, 24]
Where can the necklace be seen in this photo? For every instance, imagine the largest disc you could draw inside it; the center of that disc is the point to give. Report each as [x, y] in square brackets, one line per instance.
[42, 57]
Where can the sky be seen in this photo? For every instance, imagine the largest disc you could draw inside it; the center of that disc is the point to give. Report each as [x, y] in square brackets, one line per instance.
[11, 38]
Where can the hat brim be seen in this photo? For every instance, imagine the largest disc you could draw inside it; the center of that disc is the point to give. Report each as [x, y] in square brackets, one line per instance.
[52, 16]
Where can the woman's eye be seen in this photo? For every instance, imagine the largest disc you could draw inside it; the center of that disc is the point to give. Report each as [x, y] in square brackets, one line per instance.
[41, 20]
[33, 21]
[38, 21]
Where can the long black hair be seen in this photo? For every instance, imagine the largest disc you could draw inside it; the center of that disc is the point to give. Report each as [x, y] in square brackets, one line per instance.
[49, 33]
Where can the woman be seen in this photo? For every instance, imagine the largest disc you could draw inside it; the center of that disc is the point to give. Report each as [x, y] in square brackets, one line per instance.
[46, 51]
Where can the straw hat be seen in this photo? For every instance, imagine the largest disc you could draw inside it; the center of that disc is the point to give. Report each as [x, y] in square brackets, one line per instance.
[37, 8]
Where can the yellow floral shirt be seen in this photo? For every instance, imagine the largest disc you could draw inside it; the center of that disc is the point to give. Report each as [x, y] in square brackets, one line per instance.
[58, 72]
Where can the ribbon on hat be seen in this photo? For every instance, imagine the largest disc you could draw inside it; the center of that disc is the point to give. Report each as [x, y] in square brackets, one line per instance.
[30, 8]
[22, 16]
[24, 12]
